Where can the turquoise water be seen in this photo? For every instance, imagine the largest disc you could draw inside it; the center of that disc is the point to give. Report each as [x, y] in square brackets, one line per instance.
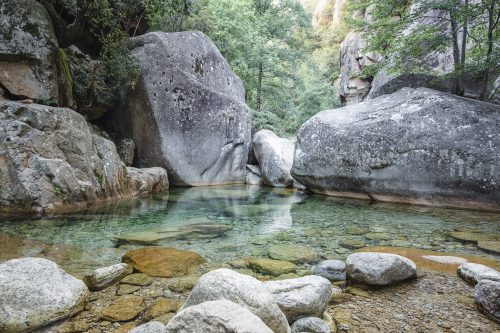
[258, 218]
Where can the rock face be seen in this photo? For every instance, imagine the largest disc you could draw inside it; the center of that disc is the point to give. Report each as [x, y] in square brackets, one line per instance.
[28, 50]
[188, 112]
[310, 325]
[417, 146]
[216, 316]
[254, 175]
[51, 161]
[379, 268]
[301, 297]
[474, 273]
[248, 292]
[163, 261]
[333, 270]
[107, 276]
[353, 88]
[487, 296]
[35, 292]
[275, 156]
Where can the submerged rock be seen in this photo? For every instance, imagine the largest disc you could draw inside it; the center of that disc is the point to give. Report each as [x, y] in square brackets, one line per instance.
[310, 325]
[379, 268]
[217, 316]
[487, 296]
[271, 266]
[403, 148]
[275, 156]
[188, 112]
[53, 161]
[163, 261]
[301, 297]
[489, 246]
[107, 276]
[475, 273]
[187, 232]
[248, 292]
[293, 253]
[333, 270]
[35, 292]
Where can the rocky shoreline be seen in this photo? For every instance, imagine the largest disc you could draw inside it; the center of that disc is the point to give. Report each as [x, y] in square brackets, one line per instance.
[182, 293]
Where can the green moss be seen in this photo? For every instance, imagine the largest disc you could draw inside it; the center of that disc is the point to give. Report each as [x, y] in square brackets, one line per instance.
[66, 75]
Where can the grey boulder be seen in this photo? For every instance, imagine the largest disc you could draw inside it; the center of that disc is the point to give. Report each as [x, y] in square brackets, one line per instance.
[35, 292]
[415, 146]
[307, 296]
[187, 114]
[333, 270]
[379, 268]
[310, 325]
[248, 292]
[106, 276]
[254, 175]
[487, 296]
[28, 50]
[53, 161]
[275, 156]
[215, 317]
[474, 273]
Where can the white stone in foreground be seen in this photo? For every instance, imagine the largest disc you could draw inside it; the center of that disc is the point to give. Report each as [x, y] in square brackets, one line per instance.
[248, 292]
[107, 276]
[379, 268]
[150, 327]
[307, 296]
[216, 317]
[35, 292]
[474, 273]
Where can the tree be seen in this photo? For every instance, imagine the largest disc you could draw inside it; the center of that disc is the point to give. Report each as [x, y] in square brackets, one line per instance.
[408, 31]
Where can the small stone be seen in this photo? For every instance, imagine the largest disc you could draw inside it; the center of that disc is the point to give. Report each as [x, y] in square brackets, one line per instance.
[183, 284]
[357, 291]
[160, 307]
[74, 327]
[123, 309]
[137, 279]
[356, 230]
[310, 325]
[164, 319]
[126, 289]
[352, 243]
[271, 266]
[378, 236]
[107, 276]
[473, 273]
[333, 270]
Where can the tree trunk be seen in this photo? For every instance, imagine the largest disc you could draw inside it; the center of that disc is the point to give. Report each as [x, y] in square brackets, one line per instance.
[486, 75]
[458, 86]
[259, 87]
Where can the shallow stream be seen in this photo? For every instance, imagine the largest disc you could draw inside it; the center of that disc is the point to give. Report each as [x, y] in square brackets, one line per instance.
[226, 223]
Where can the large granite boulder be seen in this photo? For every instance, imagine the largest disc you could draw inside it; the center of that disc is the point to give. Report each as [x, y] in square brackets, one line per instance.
[28, 50]
[51, 160]
[248, 292]
[417, 146]
[307, 296]
[216, 316]
[35, 292]
[310, 325]
[379, 269]
[188, 112]
[487, 296]
[475, 273]
[275, 156]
